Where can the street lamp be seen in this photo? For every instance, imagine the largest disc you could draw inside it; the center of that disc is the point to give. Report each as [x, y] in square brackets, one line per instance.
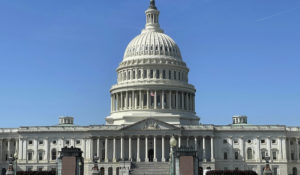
[173, 144]
[267, 169]
[79, 164]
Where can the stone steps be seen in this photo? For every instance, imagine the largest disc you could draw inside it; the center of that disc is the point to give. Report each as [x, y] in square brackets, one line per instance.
[150, 168]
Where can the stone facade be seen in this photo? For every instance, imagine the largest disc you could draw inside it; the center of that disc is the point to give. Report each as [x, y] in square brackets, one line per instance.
[151, 102]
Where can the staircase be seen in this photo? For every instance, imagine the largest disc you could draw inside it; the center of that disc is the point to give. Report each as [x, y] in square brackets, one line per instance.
[150, 168]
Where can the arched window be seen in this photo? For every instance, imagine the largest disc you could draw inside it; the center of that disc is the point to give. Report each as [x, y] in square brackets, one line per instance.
[249, 153]
[294, 171]
[41, 155]
[53, 154]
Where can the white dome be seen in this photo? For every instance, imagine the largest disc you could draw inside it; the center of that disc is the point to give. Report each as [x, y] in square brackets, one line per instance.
[152, 44]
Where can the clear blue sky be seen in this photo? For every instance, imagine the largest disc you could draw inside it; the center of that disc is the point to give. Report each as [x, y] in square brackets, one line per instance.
[59, 57]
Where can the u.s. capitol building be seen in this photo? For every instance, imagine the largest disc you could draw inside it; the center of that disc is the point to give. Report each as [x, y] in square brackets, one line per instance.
[151, 102]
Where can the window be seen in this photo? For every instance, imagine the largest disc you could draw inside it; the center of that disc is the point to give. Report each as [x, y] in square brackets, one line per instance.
[274, 155]
[275, 171]
[224, 141]
[273, 141]
[128, 76]
[40, 169]
[225, 155]
[41, 142]
[236, 155]
[133, 74]
[30, 154]
[139, 74]
[249, 153]
[145, 74]
[30, 142]
[174, 75]
[178, 75]
[263, 141]
[170, 75]
[263, 155]
[236, 141]
[77, 142]
[41, 155]
[54, 142]
[151, 73]
[164, 74]
[67, 142]
[157, 74]
[53, 154]
[249, 141]
[292, 156]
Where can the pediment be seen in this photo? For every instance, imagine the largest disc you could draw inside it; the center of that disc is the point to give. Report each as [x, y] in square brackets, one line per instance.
[150, 124]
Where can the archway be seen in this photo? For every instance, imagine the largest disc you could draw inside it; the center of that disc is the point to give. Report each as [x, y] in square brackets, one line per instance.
[294, 171]
[102, 171]
[150, 155]
[110, 171]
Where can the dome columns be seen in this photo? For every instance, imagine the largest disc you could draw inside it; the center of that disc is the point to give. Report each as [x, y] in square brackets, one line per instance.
[156, 100]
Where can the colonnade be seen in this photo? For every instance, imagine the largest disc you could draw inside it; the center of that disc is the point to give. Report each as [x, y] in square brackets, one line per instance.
[152, 99]
[148, 148]
[9, 151]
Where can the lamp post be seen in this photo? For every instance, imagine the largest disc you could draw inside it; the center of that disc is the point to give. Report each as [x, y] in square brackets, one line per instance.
[16, 162]
[173, 144]
[95, 169]
[79, 167]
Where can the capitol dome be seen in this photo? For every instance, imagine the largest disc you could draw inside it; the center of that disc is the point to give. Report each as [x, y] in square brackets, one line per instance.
[152, 44]
[152, 80]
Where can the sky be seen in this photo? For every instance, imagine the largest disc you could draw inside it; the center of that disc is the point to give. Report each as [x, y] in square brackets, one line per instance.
[59, 58]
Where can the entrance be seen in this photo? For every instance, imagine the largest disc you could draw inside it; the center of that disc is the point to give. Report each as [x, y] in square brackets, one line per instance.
[150, 155]
[3, 171]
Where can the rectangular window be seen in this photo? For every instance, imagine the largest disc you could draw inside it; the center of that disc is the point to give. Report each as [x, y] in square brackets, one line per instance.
[224, 141]
[41, 142]
[263, 155]
[40, 155]
[292, 156]
[151, 73]
[174, 75]
[274, 155]
[164, 74]
[225, 155]
[273, 141]
[67, 142]
[30, 142]
[263, 141]
[157, 74]
[29, 156]
[236, 155]
[145, 74]
[235, 141]
[275, 171]
[178, 75]
[170, 75]
[133, 74]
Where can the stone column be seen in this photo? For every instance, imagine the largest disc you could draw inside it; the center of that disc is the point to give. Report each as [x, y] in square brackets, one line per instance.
[106, 147]
[141, 103]
[163, 159]
[187, 101]
[179, 141]
[155, 99]
[121, 107]
[138, 158]
[258, 150]
[154, 149]
[146, 149]
[288, 152]
[47, 152]
[122, 152]
[8, 147]
[182, 100]
[170, 99]
[20, 149]
[134, 106]
[297, 149]
[111, 103]
[114, 150]
[129, 151]
[242, 148]
[212, 157]
[84, 148]
[177, 100]
[148, 99]
[162, 99]
[187, 141]
[126, 100]
[1, 149]
[196, 143]
[284, 151]
[193, 102]
[36, 149]
[25, 151]
[98, 147]
[269, 148]
[203, 148]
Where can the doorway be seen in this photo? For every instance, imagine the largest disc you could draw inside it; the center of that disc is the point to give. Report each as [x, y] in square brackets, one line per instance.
[150, 155]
